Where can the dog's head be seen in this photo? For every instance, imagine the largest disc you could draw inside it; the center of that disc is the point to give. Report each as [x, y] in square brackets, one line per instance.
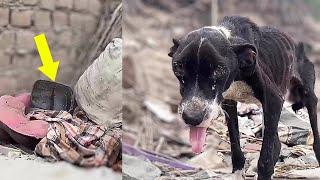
[206, 62]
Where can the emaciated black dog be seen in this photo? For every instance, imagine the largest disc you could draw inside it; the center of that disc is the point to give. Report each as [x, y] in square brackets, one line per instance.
[239, 61]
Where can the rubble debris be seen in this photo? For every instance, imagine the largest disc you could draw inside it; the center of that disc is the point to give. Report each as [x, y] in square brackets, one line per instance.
[313, 173]
[130, 150]
[135, 168]
[10, 152]
[211, 159]
[248, 109]
[294, 128]
[161, 110]
[214, 162]
[205, 174]
[52, 96]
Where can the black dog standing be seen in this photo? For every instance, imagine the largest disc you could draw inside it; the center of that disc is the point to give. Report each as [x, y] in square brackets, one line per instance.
[239, 61]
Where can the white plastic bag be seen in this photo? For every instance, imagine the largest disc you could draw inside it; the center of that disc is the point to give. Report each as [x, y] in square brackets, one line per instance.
[99, 90]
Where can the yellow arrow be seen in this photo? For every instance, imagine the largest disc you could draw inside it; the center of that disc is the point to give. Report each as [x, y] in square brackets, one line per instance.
[49, 67]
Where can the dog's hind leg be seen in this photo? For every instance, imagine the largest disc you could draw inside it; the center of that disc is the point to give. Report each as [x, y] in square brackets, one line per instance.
[238, 159]
[310, 100]
[311, 104]
[308, 97]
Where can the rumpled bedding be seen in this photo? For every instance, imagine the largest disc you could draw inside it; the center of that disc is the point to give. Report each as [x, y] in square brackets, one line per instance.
[75, 139]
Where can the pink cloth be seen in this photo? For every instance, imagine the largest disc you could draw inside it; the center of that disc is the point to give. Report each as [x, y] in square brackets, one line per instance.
[15, 126]
[24, 98]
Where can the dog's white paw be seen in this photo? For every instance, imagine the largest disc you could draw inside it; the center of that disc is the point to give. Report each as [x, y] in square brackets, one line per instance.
[256, 177]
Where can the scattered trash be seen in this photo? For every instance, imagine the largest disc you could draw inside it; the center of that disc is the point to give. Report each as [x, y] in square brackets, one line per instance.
[296, 158]
[52, 96]
[211, 159]
[153, 157]
[294, 128]
[312, 173]
[161, 110]
[135, 168]
[205, 174]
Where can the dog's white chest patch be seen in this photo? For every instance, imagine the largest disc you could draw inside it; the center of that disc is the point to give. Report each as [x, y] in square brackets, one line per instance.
[223, 30]
[241, 92]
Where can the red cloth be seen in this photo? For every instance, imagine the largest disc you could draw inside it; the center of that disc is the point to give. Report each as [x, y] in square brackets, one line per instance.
[14, 126]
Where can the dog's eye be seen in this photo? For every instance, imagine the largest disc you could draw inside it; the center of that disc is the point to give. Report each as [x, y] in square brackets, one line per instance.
[178, 69]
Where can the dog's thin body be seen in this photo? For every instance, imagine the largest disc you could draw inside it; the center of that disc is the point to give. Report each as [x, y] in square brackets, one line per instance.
[239, 61]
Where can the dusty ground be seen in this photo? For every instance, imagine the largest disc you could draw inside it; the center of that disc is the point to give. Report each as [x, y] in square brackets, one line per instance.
[15, 165]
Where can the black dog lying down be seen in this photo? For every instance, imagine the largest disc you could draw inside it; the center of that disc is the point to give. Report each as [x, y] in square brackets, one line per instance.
[239, 61]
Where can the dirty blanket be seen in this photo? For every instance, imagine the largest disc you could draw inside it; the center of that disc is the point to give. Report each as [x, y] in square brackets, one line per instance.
[77, 140]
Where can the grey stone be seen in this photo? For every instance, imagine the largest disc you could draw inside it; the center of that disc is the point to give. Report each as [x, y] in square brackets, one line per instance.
[94, 7]
[80, 4]
[4, 14]
[4, 59]
[47, 4]
[65, 38]
[60, 20]
[25, 42]
[135, 168]
[21, 18]
[90, 24]
[7, 41]
[64, 4]
[42, 19]
[77, 21]
[30, 2]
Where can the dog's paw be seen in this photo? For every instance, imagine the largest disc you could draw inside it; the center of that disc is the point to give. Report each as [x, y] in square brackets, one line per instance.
[257, 178]
[297, 106]
[238, 175]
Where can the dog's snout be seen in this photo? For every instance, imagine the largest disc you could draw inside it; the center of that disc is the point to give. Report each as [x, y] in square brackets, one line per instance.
[193, 118]
[194, 111]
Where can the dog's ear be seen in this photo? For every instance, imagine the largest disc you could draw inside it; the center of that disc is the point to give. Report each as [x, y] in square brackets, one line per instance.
[246, 55]
[174, 48]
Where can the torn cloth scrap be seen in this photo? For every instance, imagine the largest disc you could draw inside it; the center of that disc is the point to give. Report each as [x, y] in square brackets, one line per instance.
[77, 140]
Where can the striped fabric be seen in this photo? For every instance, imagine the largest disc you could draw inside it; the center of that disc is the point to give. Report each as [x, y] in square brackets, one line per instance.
[75, 139]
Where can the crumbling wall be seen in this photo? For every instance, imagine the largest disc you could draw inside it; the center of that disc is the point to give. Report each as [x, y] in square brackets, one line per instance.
[67, 24]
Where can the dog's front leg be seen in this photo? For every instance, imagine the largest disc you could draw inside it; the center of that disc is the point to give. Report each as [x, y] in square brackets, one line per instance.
[272, 105]
[231, 115]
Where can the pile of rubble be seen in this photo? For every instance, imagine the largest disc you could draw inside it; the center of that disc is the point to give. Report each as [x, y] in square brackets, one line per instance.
[169, 153]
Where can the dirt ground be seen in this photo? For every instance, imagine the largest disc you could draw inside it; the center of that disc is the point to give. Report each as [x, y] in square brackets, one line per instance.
[15, 164]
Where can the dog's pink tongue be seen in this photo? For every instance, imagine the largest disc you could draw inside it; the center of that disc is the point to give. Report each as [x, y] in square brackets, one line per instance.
[197, 138]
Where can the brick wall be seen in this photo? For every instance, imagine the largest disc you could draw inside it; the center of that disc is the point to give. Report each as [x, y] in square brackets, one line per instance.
[67, 24]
